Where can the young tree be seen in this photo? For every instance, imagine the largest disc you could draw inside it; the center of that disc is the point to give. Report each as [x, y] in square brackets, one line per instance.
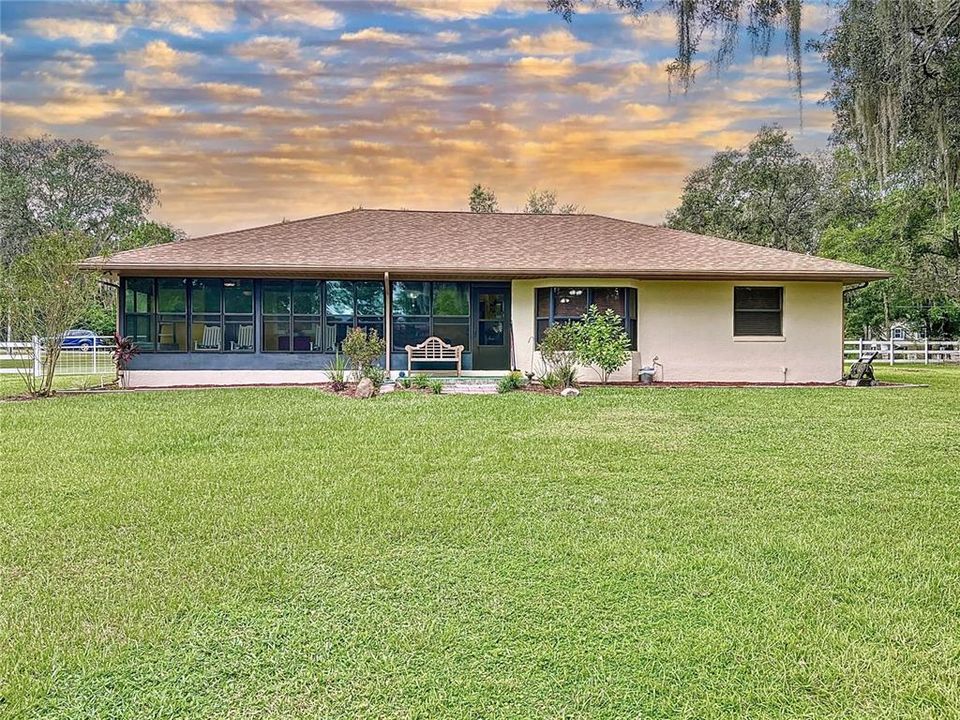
[541, 202]
[544, 202]
[766, 194]
[363, 347]
[43, 293]
[483, 200]
[601, 341]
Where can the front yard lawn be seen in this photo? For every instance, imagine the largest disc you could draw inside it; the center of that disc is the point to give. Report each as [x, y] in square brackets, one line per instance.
[716, 553]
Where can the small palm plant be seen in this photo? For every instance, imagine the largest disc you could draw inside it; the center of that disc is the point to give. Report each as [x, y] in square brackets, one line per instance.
[124, 350]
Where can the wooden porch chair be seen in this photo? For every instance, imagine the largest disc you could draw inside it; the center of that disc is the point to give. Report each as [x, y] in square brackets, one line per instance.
[244, 339]
[210, 340]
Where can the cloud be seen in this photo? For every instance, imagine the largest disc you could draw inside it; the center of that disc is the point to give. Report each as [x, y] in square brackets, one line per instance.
[658, 27]
[274, 49]
[229, 91]
[298, 13]
[275, 112]
[67, 64]
[377, 35]
[553, 42]
[5, 39]
[447, 36]
[74, 103]
[440, 10]
[157, 54]
[216, 130]
[544, 67]
[191, 18]
[83, 32]
[647, 113]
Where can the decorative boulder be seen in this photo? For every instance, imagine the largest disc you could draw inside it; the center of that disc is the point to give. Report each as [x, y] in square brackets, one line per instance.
[365, 388]
[569, 392]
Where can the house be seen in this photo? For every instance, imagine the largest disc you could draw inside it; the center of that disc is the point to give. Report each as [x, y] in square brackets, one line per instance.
[271, 304]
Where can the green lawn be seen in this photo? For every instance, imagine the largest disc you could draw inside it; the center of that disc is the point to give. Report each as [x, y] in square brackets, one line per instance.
[790, 553]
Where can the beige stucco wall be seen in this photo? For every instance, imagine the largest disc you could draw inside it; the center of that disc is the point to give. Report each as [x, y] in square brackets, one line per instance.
[688, 326]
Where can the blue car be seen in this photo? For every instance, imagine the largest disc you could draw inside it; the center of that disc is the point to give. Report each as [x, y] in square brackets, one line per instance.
[80, 338]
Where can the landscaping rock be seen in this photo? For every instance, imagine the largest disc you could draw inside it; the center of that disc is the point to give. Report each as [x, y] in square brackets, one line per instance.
[569, 392]
[365, 388]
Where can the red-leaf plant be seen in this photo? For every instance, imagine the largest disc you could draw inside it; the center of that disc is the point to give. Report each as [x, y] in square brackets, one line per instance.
[124, 350]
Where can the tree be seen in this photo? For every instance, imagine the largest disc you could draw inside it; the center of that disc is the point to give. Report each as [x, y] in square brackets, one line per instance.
[720, 19]
[767, 194]
[905, 234]
[544, 202]
[61, 186]
[895, 70]
[601, 342]
[483, 200]
[43, 293]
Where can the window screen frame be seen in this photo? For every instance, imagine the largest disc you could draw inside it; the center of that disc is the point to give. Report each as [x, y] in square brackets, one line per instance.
[739, 334]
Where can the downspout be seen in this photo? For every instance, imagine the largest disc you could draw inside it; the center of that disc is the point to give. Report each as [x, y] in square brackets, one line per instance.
[387, 324]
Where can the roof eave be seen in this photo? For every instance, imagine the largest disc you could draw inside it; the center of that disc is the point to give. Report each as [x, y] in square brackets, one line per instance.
[844, 276]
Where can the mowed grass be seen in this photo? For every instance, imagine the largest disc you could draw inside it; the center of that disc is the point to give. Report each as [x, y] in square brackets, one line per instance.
[719, 553]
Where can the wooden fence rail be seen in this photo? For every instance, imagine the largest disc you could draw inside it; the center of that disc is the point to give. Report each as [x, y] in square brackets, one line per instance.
[904, 351]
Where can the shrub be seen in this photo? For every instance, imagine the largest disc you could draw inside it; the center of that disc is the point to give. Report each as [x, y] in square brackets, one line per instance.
[436, 387]
[601, 342]
[375, 374]
[551, 381]
[337, 370]
[559, 352]
[363, 347]
[124, 350]
[514, 380]
[405, 382]
[420, 381]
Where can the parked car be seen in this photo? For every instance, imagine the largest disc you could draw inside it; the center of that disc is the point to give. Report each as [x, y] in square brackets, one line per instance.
[82, 339]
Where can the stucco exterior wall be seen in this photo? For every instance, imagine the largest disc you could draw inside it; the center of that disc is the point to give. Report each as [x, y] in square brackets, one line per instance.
[523, 318]
[688, 327]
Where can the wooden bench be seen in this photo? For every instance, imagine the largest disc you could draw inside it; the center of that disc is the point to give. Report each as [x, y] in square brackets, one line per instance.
[433, 349]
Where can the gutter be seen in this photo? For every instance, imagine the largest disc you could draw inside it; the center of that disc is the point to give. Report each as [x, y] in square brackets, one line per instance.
[412, 272]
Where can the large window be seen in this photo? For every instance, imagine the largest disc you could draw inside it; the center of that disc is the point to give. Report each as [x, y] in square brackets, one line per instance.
[315, 315]
[422, 309]
[138, 308]
[238, 316]
[758, 311]
[560, 305]
[217, 315]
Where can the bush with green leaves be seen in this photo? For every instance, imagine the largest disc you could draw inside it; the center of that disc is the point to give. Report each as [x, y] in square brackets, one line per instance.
[44, 293]
[337, 371]
[601, 342]
[363, 347]
[375, 374]
[558, 349]
[514, 380]
[420, 381]
[436, 387]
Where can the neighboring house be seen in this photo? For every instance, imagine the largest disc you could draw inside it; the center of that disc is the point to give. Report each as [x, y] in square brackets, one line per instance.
[903, 331]
[271, 304]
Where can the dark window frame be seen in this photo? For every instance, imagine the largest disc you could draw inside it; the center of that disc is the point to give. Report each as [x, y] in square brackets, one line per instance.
[321, 319]
[541, 322]
[741, 314]
[431, 319]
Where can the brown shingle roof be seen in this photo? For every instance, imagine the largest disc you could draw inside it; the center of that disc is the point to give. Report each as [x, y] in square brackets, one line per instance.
[462, 244]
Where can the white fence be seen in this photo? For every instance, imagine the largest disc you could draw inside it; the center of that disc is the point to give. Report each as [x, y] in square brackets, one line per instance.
[93, 357]
[904, 351]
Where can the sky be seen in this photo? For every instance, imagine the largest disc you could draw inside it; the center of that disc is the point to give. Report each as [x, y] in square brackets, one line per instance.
[245, 113]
